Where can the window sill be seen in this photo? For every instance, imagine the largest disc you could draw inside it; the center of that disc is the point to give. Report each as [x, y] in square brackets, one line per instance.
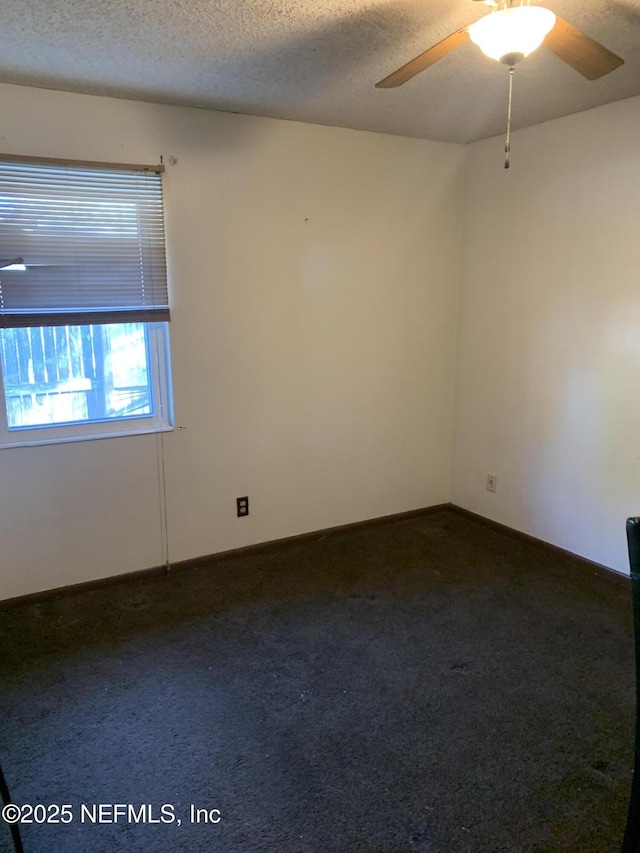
[68, 439]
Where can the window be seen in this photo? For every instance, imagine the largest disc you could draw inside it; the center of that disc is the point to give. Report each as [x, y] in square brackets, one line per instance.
[84, 312]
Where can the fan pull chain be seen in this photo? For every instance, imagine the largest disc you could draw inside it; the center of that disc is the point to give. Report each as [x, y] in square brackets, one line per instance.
[507, 147]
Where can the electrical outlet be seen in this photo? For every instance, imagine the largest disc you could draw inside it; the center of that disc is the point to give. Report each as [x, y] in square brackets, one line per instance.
[492, 482]
[242, 506]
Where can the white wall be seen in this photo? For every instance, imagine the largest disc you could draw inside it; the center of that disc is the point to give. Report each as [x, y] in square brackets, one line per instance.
[548, 385]
[314, 277]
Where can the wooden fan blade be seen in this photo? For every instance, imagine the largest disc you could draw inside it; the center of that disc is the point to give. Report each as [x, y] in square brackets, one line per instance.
[424, 60]
[587, 56]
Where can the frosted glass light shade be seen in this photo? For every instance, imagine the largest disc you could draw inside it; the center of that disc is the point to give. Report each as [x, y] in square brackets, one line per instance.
[514, 31]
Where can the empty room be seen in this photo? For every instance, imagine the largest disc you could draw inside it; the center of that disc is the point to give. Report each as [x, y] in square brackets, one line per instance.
[319, 419]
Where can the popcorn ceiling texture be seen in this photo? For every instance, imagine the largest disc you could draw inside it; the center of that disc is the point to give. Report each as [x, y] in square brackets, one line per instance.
[308, 60]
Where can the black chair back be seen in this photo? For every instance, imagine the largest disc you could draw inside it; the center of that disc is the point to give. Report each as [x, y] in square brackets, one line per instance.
[631, 843]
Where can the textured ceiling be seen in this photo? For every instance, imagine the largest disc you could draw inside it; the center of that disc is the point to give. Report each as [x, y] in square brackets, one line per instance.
[310, 60]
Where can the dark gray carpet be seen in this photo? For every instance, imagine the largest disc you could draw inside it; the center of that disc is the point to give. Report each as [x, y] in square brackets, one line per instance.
[427, 685]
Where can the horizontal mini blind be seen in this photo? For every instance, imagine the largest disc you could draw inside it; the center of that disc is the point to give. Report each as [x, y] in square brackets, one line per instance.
[91, 239]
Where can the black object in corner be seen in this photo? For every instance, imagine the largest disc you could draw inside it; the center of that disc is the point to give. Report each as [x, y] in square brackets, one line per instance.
[6, 799]
[631, 843]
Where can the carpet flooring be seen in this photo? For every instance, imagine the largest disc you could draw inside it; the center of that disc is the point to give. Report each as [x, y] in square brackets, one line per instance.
[425, 685]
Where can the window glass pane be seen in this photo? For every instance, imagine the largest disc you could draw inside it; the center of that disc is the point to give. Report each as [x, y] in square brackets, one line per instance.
[75, 374]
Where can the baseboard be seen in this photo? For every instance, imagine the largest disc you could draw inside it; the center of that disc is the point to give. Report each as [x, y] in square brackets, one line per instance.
[535, 542]
[210, 559]
[276, 544]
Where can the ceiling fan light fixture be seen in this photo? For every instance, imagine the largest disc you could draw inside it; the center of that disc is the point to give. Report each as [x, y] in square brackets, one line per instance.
[509, 35]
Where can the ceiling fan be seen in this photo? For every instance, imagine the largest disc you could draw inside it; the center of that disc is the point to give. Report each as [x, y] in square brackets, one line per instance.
[509, 33]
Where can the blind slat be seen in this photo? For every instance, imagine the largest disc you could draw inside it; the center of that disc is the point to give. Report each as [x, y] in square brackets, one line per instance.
[92, 241]
[85, 318]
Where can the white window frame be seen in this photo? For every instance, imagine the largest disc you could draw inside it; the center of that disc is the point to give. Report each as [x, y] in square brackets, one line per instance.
[160, 421]
[156, 323]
